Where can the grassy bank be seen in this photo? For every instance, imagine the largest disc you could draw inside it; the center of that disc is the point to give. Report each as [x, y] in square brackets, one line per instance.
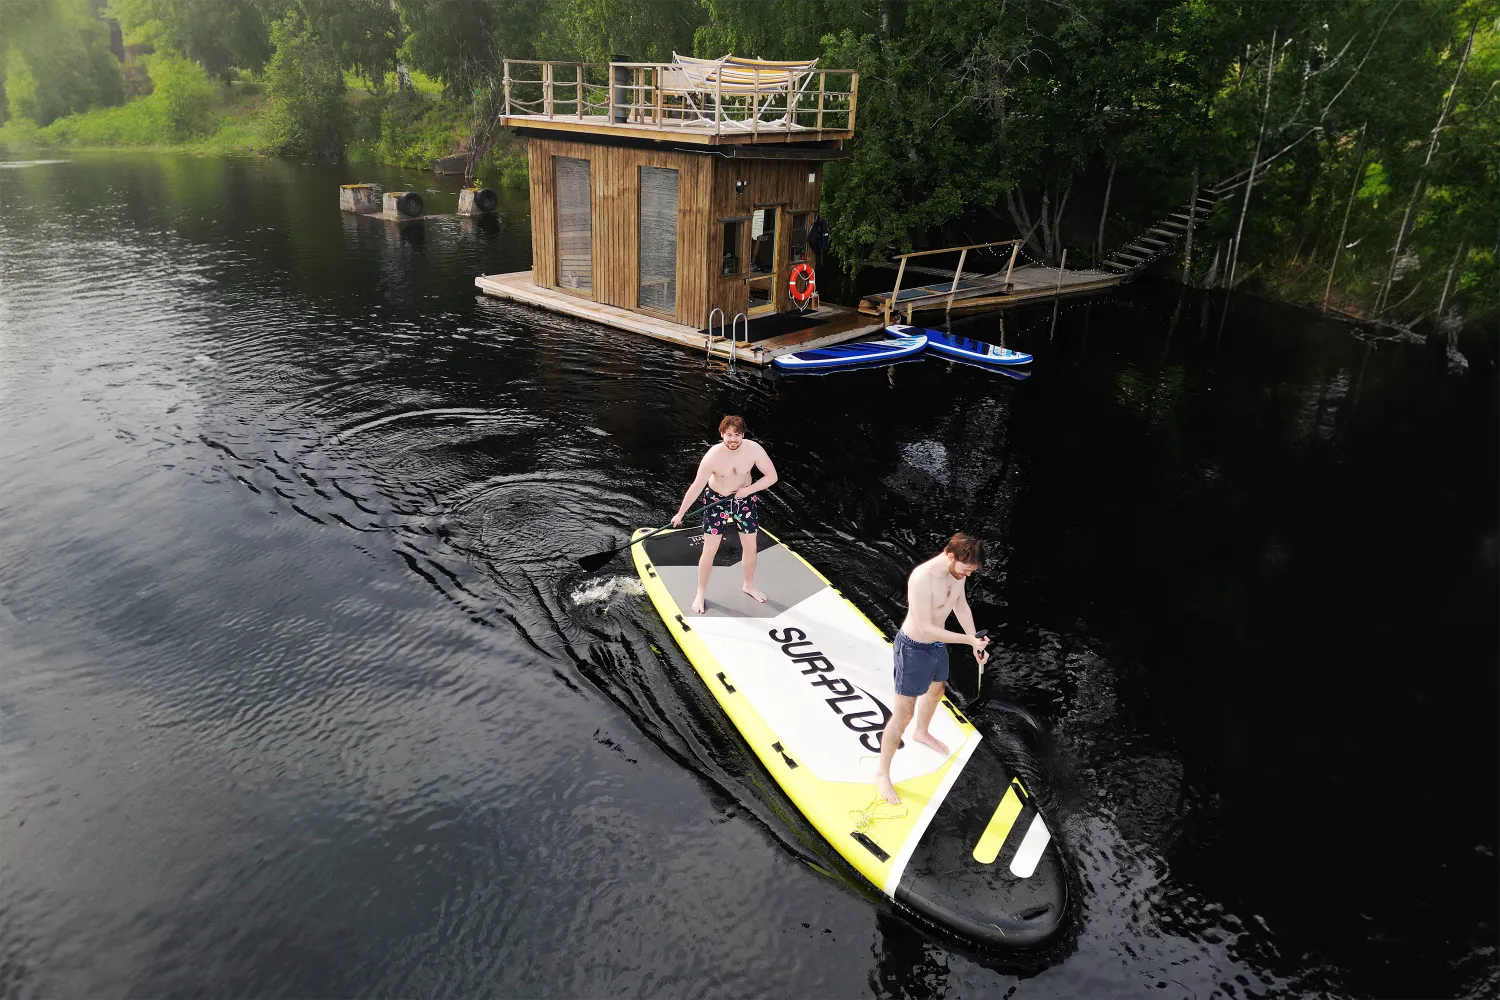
[188, 112]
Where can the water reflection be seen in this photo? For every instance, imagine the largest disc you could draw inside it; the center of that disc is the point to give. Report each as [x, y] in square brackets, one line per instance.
[305, 694]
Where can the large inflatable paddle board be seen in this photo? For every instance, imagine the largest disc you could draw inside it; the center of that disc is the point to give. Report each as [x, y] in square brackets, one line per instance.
[808, 681]
[859, 352]
[966, 348]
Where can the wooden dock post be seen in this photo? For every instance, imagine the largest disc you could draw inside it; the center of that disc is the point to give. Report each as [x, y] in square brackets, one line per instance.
[956, 276]
[1061, 267]
[900, 272]
[1015, 248]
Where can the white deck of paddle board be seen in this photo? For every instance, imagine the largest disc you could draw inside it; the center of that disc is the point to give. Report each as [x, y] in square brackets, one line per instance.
[829, 718]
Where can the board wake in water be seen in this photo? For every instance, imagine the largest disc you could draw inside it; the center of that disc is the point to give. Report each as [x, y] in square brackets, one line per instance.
[807, 680]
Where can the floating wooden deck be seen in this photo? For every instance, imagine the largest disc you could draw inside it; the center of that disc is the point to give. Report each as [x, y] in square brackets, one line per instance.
[828, 324]
[977, 292]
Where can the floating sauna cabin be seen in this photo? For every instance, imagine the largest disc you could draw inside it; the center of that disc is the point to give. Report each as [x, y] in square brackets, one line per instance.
[667, 198]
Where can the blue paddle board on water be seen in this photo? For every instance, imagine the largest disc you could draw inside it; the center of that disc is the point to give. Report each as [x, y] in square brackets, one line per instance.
[966, 348]
[860, 352]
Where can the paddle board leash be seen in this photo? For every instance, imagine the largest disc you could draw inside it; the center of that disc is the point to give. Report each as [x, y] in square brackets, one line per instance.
[590, 563]
[869, 815]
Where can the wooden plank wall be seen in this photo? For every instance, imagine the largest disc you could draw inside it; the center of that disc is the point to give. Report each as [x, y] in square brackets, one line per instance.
[767, 182]
[615, 175]
[543, 215]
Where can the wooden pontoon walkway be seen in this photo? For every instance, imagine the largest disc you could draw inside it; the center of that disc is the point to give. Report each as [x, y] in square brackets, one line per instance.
[828, 324]
[1029, 283]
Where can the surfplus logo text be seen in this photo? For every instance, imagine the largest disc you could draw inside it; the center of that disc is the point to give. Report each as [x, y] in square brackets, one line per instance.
[849, 701]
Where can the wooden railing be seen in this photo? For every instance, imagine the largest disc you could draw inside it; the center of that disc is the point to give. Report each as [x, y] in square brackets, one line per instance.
[963, 255]
[661, 95]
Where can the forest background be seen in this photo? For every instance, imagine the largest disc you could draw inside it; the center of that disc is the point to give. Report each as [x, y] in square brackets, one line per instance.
[1371, 128]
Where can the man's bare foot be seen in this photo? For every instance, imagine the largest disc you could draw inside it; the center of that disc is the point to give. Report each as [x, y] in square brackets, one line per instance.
[884, 787]
[698, 605]
[750, 589]
[927, 739]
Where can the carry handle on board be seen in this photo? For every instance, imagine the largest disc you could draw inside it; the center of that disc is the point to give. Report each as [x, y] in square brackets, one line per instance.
[590, 563]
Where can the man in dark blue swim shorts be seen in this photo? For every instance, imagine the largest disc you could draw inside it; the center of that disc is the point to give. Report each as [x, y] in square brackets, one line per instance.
[933, 592]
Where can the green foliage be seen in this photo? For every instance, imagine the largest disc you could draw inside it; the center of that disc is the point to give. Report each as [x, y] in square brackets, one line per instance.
[1373, 188]
[463, 44]
[226, 125]
[405, 129]
[977, 119]
[184, 95]
[505, 165]
[55, 60]
[306, 108]
[219, 35]
[598, 30]
[364, 35]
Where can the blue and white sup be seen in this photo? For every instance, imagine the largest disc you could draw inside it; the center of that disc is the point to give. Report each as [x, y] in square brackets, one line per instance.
[860, 352]
[967, 349]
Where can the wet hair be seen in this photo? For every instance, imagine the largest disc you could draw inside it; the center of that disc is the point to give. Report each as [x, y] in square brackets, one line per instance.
[732, 422]
[965, 549]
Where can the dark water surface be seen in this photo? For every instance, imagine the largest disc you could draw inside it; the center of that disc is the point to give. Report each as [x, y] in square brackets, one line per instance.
[304, 695]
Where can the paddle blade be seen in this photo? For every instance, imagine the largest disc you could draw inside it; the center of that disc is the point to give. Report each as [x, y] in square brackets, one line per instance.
[597, 561]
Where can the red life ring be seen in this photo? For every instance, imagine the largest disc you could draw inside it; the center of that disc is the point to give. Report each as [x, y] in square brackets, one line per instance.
[803, 282]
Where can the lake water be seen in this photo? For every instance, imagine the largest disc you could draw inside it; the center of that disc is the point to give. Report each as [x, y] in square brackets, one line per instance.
[303, 693]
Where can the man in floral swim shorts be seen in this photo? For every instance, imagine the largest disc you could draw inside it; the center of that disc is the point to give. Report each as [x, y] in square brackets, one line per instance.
[725, 484]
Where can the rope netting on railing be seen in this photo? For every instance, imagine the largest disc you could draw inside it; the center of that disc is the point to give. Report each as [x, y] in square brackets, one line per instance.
[727, 95]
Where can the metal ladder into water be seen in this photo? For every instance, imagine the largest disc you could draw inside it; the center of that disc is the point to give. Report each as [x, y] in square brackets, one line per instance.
[734, 333]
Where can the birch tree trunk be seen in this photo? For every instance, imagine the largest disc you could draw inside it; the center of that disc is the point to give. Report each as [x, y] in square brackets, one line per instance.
[1344, 229]
[1452, 271]
[403, 74]
[1104, 212]
[1234, 254]
[1046, 225]
[1057, 217]
[1411, 204]
[1187, 254]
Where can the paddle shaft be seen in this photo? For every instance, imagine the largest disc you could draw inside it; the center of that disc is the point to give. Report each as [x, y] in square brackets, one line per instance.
[600, 558]
[979, 684]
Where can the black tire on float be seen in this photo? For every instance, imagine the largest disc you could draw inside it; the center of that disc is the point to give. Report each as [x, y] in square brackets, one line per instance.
[410, 205]
[485, 200]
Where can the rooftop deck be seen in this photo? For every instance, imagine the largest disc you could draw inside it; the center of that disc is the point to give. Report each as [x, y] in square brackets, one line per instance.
[704, 101]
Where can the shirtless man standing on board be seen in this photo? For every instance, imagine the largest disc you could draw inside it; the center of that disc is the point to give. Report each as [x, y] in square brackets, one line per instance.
[724, 474]
[933, 592]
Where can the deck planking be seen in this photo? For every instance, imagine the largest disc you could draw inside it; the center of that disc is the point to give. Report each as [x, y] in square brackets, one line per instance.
[1031, 283]
[838, 323]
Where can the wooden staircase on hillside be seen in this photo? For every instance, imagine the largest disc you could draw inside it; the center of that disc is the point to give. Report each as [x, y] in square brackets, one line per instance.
[1168, 232]
[1162, 236]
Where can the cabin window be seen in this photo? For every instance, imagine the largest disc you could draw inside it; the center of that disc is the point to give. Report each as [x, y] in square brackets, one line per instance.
[763, 240]
[658, 239]
[575, 224]
[734, 261]
[799, 235]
